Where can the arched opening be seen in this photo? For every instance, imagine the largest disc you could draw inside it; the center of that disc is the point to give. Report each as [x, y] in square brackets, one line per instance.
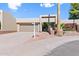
[48, 20]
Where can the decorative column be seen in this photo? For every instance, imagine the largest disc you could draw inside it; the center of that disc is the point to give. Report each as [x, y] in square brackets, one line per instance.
[56, 20]
[40, 25]
[18, 27]
[34, 33]
[49, 19]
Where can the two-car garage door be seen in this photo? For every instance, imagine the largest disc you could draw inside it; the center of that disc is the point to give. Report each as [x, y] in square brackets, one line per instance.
[28, 27]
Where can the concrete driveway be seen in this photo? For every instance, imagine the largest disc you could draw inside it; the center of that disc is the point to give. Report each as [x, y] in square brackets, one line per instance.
[10, 41]
[21, 44]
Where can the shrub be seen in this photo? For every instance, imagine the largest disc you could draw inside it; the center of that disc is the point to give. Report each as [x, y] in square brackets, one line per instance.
[62, 26]
[0, 25]
[45, 26]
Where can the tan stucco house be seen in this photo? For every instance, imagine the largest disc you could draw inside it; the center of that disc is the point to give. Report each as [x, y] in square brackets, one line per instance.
[26, 24]
[10, 23]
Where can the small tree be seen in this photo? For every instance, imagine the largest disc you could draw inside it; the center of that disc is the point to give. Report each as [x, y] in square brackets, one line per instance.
[74, 12]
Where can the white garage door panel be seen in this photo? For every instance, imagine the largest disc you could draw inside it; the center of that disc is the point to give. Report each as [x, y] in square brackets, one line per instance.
[28, 28]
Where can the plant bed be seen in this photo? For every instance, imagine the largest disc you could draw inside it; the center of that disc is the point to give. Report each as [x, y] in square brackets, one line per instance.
[41, 35]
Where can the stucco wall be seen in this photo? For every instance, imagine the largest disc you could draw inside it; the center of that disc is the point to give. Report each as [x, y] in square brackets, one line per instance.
[8, 22]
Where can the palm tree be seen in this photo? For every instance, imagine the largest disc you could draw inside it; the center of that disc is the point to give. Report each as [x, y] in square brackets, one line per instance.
[58, 19]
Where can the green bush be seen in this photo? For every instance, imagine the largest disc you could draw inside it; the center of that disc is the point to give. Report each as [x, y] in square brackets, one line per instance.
[0, 25]
[45, 26]
[62, 26]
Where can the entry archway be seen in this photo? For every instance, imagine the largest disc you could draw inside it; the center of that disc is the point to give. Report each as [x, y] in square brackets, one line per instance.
[52, 19]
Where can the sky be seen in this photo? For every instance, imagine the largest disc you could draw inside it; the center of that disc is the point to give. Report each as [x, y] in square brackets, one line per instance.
[34, 10]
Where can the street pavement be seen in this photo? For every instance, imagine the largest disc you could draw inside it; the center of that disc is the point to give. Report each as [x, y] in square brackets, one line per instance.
[22, 44]
[67, 49]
